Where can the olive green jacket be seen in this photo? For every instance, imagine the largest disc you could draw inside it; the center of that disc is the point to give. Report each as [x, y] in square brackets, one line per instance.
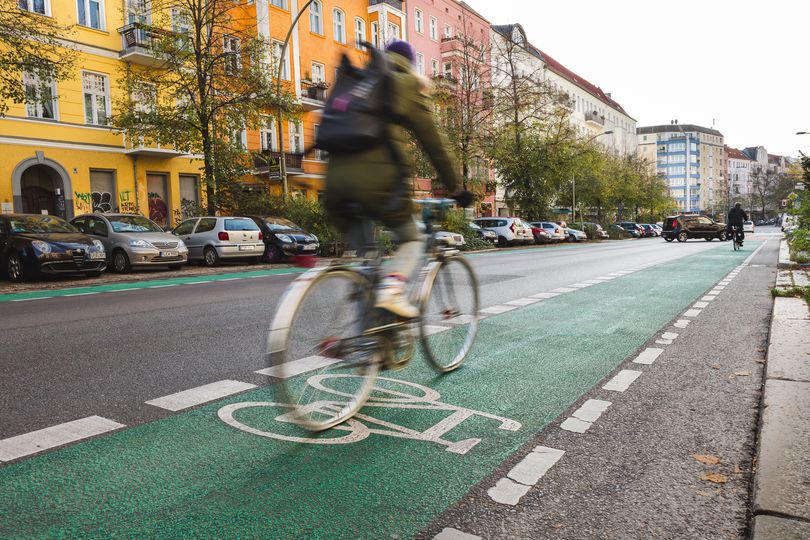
[373, 178]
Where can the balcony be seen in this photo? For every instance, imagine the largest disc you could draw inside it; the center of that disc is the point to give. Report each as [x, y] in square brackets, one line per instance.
[268, 161]
[313, 96]
[140, 149]
[396, 4]
[595, 118]
[136, 40]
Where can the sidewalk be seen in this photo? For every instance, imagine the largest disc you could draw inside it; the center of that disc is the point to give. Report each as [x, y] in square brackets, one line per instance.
[781, 504]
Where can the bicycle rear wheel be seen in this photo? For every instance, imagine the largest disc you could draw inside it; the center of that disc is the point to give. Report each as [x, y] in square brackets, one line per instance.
[317, 334]
[449, 321]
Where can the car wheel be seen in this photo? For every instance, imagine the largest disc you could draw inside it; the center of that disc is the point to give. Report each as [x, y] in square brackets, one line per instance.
[709, 238]
[210, 257]
[120, 262]
[682, 236]
[668, 238]
[272, 253]
[723, 236]
[174, 267]
[15, 270]
[503, 242]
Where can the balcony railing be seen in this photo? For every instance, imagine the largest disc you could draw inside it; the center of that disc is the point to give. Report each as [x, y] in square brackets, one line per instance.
[595, 118]
[270, 161]
[136, 41]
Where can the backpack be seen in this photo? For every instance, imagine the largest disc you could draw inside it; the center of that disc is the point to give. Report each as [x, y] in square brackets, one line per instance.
[358, 111]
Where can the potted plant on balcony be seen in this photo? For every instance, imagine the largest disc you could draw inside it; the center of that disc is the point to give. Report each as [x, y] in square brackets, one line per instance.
[317, 90]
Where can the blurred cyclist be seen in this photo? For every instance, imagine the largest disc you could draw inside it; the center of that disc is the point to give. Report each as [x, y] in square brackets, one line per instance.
[736, 218]
[377, 179]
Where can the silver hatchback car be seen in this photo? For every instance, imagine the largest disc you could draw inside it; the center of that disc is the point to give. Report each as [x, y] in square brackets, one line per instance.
[211, 239]
[133, 240]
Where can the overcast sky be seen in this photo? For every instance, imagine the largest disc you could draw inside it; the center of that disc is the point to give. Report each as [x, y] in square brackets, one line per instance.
[742, 64]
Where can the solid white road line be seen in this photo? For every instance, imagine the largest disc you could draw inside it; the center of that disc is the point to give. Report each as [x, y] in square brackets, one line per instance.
[201, 394]
[80, 294]
[497, 310]
[230, 279]
[198, 282]
[648, 356]
[29, 299]
[622, 380]
[297, 367]
[163, 286]
[544, 295]
[448, 533]
[51, 437]
[692, 313]
[124, 290]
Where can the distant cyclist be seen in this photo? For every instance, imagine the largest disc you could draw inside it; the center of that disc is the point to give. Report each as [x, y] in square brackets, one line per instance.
[377, 179]
[736, 218]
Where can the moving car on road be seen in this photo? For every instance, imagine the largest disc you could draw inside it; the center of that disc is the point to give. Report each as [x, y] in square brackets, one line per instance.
[283, 237]
[683, 228]
[748, 226]
[212, 239]
[510, 230]
[31, 244]
[133, 240]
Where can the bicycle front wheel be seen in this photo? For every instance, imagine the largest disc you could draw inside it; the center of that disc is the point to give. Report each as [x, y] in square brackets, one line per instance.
[316, 336]
[449, 319]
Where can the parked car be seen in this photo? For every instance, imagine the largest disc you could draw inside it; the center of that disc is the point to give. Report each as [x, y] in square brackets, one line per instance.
[133, 240]
[541, 235]
[283, 238]
[632, 226]
[449, 239]
[31, 244]
[649, 230]
[683, 228]
[555, 232]
[621, 231]
[748, 226]
[510, 230]
[484, 234]
[211, 239]
[600, 232]
[575, 235]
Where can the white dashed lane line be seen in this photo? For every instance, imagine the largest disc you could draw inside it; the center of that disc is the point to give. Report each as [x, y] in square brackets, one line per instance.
[497, 310]
[51, 437]
[692, 313]
[297, 367]
[524, 475]
[648, 356]
[584, 417]
[448, 533]
[622, 380]
[202, 394]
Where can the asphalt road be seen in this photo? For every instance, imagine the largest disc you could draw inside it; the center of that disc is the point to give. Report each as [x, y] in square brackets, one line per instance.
[631, 475]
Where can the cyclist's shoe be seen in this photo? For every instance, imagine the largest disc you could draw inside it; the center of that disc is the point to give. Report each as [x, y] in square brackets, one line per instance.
[391, 297]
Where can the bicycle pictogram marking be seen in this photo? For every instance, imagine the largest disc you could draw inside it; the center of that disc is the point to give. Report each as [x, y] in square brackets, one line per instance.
[363, 425]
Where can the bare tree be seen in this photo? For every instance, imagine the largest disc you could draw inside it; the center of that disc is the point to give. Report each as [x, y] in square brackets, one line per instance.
[212, 82]
[33, 54]
[764, 182]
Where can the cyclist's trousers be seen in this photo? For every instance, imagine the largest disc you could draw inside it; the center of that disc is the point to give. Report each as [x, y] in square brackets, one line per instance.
[408, 253]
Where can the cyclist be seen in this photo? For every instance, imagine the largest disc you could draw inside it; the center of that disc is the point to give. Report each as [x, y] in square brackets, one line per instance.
[377, 179]
[736, 218]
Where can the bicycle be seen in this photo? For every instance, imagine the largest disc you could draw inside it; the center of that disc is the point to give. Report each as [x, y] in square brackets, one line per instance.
[326, 325]
[736, 238]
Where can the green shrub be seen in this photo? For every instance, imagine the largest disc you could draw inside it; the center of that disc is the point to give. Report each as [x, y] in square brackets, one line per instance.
[799, 244]
[617, 233]
[590, 230]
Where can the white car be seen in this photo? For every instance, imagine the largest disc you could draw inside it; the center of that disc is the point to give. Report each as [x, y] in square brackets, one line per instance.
[510, 230]
[748, 226]
[449, 239]
[555, 232]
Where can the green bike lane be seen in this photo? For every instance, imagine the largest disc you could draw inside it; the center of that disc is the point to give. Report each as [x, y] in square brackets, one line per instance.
[193, 475]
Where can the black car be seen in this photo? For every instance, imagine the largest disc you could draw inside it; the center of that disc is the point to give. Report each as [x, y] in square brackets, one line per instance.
[282, 238]
[31, 244]
[682, 228]
[632, 228]
[484, 234]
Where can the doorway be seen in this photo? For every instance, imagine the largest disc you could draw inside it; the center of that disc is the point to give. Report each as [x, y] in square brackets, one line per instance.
[41, 191]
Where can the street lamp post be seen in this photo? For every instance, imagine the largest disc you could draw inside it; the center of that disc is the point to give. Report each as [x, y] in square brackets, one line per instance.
[282, 159]
[574, 178]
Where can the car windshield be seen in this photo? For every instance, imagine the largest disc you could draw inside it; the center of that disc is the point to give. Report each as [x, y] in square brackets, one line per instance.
[474, 226]
[280, 224]
[133, 224]
[39, 224]
[240, 224]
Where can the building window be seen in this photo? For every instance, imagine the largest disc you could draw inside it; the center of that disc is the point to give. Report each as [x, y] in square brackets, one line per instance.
[375, 34]
[285, 65]
[102, 190]
[296, 138]
[96, 99]
[269, 135]
[393, 33]
[231, 48]
[434, 32]
[339, 25]
[448, 31]
[359, 32]
[91, 13]
[279, 3]
[316, 18]
[43, 7]
[420, 64]
[418, 23]
[434, 67]
[317, 72]
[40, 97]
[321, 155]
[448, 70]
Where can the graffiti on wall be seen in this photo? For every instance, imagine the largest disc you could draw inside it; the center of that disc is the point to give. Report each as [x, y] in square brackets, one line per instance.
[102, 201]
[126, 202]
[83, 202]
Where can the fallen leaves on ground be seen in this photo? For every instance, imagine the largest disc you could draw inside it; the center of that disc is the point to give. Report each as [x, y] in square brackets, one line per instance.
[715, 366]
[742, 373]
[707, 459]
[715, 478]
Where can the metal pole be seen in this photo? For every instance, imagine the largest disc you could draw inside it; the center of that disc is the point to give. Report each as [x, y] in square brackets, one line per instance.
[282, 159]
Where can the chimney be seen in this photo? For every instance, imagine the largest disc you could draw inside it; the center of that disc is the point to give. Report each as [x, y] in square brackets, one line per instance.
[608, 95]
